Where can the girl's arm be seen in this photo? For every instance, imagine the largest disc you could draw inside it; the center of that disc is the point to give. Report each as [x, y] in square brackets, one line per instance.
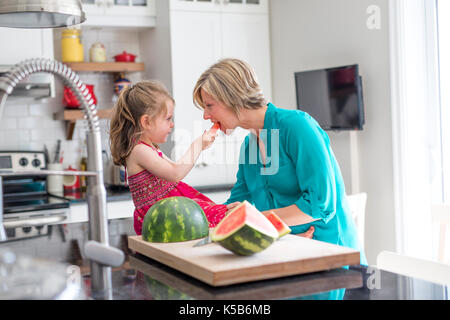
[149, 159]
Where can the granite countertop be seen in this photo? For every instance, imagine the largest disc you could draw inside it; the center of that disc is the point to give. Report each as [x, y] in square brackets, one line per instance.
[141, 278]
[121, 193]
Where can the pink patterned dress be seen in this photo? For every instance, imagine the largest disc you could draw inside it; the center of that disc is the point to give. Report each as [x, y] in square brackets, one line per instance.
[146, 189]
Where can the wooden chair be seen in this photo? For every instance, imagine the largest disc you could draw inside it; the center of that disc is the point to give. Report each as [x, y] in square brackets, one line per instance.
[357, 203]
[440, 214]
[427, 270]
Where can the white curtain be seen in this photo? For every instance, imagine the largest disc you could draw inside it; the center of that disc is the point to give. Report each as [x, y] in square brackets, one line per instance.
[416, 122]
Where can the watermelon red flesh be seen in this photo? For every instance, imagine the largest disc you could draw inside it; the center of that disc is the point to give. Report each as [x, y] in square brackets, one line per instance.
[282, 228]
[244, 231]
[215, 127]
[174, 219]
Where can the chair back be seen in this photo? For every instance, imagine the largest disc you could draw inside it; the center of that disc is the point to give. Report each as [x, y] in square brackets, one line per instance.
[357, 203]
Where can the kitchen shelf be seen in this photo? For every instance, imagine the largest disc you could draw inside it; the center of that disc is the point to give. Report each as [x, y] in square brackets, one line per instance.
[117, 68]
[114, 67]
[71, 116]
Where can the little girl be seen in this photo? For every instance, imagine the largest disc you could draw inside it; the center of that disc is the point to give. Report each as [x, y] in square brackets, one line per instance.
[142, 119]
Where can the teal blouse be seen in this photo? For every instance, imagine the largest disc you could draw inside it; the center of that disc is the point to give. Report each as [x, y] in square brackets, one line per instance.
[300, 169]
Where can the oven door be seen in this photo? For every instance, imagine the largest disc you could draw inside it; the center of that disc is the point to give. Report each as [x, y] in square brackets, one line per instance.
[34, 210]
[35, 218]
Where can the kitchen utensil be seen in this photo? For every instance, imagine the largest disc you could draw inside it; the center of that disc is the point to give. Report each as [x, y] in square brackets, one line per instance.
[46, 155]
[217, 266]
[125, 57]
[97, 52]
[204, 241]
[71, 101]
[58, 148]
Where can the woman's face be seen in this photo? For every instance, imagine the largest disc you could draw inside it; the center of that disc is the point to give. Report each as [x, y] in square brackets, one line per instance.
[217, 112]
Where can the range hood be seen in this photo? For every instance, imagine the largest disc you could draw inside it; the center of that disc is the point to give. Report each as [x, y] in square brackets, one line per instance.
[37, 85]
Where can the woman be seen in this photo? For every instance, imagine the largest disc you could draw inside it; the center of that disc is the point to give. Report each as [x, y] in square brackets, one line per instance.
[286, 162]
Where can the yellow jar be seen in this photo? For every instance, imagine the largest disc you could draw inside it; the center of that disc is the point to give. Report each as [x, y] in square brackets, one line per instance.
[72, 48]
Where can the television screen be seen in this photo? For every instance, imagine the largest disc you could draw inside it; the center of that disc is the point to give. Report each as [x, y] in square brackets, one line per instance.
[332, 96]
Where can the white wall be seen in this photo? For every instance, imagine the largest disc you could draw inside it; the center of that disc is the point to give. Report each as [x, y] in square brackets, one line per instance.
[309, 34]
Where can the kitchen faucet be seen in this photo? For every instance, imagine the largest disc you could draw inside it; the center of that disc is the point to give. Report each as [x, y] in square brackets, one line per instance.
[97, 249]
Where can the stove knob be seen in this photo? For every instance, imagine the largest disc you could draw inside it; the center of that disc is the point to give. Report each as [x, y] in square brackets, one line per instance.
[23, 162]
[26, 229]
[36, 163]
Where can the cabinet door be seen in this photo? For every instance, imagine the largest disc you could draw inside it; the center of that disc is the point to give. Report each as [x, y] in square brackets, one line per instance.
[93, 7]
[130, 7]
[196, 5]
[245, 6]
[119, 13]
[195, 45]
[33, 43]
[246, 37]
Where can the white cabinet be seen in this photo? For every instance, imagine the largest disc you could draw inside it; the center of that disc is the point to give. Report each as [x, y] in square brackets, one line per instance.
[236, 6]
[21, 44]
[246, 36]
[199, 38]
[119, 13]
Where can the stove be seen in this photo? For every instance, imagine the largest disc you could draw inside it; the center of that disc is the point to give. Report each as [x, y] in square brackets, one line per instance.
[27, 206]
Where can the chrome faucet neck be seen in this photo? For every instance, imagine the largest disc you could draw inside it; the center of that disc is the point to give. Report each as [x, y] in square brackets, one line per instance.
[96, 192]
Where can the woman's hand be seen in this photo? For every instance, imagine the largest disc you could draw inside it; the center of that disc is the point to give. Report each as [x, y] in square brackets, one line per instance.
[308, 234]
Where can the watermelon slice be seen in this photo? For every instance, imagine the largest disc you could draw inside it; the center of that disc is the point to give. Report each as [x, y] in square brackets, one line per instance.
[282, 228]
[244, 231]
[215, 127]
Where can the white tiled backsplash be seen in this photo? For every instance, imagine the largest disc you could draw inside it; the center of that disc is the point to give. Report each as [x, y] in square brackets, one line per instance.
[28, 124]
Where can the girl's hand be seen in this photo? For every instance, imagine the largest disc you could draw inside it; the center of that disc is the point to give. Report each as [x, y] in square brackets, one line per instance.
[231, 206]
[208, 138]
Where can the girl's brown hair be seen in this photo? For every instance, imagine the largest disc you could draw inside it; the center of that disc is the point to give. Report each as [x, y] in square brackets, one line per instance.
[145, 97]
[232, 82]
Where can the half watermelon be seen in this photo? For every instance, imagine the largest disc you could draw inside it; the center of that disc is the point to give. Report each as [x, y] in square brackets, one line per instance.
[282, 228]
[244, 231]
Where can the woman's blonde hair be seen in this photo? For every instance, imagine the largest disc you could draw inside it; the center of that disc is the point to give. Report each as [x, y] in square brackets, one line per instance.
[232, 82]
[145, 97]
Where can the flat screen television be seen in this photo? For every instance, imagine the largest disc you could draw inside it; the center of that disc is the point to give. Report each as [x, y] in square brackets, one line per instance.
[333, 96]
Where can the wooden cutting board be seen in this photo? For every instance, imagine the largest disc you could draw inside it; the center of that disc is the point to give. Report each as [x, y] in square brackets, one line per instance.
[217, 266]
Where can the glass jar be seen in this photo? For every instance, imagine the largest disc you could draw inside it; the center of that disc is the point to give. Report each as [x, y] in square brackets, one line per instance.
[72, 48]
[97, 52]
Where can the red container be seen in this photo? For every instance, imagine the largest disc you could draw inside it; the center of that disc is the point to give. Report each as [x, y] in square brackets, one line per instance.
[72, 184]
[71, 101]
[125, 57]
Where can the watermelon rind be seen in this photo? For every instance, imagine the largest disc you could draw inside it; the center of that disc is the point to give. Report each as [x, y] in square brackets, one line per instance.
[247, 238]
[174, 219]
[246, 241]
